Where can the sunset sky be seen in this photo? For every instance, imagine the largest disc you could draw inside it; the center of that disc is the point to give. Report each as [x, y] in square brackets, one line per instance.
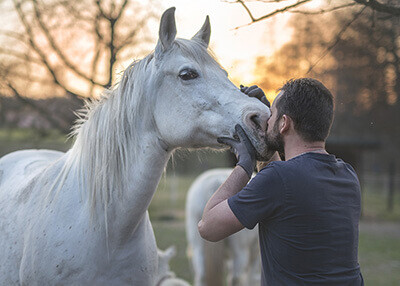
[235, 43]
[236, 49]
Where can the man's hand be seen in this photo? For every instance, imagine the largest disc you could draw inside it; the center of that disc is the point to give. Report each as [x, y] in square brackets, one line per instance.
[243, 149]
[255, 91]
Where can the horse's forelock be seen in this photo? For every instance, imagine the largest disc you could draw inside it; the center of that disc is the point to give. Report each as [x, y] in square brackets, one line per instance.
[198, 52]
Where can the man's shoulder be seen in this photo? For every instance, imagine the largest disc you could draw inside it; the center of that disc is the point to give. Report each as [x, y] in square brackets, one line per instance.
[279, 166]
[271, 169]
[268, 176]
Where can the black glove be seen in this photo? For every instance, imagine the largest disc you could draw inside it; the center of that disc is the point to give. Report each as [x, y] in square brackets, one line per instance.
[255, 91]
[243, 149]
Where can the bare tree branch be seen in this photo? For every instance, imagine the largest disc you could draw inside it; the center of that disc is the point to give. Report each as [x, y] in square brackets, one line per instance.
[94, 65]
[29, 77]
[97, 28]
[101, 10]
[247, 10]
[14, 35]
[282, 10]
[131, 35]
[337, 40]
[379, 7]
[121, 10]
[373, 4]
[40, 53]
[322, 11]
[263, 1]
[19, 55]
[55, 121]
[42, 56]
[76, 12]
[57, 49]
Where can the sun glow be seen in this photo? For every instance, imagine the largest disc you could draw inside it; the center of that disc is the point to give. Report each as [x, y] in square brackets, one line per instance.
[237, 49]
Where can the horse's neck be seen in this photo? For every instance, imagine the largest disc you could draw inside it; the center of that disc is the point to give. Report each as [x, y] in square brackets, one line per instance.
[142, 179]
[121, 168]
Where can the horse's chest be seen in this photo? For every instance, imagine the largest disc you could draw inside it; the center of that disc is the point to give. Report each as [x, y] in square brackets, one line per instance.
[136, 262]
[84, 260]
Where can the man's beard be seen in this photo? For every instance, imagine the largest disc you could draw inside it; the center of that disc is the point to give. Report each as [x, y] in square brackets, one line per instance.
[274, 141]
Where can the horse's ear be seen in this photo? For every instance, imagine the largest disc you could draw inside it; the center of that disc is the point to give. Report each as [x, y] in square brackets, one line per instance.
[203, 35]
[167, 32]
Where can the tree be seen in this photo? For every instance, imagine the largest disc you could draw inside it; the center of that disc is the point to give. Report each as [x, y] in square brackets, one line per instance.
[362, 70]
[69, 47]
[389, 7]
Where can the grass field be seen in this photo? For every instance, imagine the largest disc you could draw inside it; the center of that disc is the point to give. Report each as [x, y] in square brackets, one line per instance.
[379, 249]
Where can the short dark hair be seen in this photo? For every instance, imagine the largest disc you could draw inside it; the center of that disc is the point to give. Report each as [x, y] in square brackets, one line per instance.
[310, 105]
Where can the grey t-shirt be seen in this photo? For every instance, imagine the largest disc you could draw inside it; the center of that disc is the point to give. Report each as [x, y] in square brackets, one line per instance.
[307, 209]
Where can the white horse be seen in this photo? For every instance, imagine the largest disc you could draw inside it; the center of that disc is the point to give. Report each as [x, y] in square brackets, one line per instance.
[238, 255]
[80, 217]
[165, 276]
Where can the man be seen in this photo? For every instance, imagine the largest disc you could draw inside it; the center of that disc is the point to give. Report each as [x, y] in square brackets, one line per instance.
[307, 207]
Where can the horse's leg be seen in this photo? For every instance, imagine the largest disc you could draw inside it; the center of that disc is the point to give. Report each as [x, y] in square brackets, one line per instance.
[214, 261]
[207, 261]
[240, 255]
[195, 243]
[254, 275]
[198, 263]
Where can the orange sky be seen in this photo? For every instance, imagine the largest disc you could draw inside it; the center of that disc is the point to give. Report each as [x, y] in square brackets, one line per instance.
[236, 49]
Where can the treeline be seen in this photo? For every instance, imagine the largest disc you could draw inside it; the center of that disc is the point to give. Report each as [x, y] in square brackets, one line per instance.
[17, 114]
[356, 53]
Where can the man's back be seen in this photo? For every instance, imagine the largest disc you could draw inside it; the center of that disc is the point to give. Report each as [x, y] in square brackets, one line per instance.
[308, 210]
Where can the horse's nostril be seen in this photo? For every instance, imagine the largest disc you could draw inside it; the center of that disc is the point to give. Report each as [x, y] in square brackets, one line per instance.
[256, 120]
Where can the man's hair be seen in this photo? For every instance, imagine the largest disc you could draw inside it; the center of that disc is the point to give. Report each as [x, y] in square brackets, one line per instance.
[310, 105]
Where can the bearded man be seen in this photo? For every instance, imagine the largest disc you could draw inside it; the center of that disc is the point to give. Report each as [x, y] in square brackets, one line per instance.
[307, 207]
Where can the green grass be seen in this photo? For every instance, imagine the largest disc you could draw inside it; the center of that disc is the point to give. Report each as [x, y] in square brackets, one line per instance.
[379, 257]
[18, 139]
[167, 213]
[375, 206]
[173, 233]
[169, 201]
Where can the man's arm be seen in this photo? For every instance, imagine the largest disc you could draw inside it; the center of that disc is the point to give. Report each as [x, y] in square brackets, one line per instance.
[218, 221]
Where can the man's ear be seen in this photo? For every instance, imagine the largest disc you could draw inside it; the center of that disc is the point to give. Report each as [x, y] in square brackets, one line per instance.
[285, 124]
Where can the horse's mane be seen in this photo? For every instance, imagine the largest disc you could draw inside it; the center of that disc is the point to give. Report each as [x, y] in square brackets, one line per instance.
[105, 139]
[196, 51]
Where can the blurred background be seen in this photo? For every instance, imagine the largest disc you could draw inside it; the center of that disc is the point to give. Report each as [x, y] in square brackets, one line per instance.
[54, 54]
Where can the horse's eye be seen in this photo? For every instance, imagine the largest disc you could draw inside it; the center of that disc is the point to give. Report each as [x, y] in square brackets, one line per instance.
[188, 74]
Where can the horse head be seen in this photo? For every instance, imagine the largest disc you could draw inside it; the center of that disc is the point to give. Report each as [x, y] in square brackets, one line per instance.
[195, 102]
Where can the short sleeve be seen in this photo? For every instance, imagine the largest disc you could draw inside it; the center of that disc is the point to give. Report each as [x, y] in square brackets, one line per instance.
[260, 200]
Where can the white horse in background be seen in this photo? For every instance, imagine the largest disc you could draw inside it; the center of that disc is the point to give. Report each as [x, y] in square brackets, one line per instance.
[80, 217]
[238, 255]
[165, 276]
